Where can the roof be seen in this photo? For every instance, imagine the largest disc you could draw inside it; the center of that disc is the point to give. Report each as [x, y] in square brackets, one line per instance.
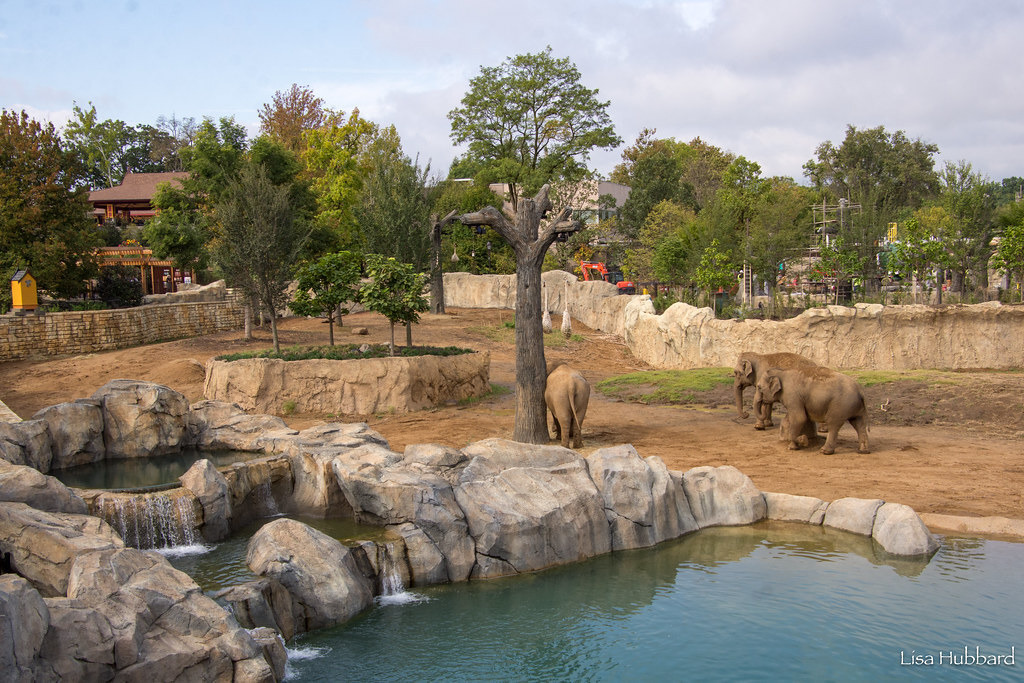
[136, 187]
[19, 275]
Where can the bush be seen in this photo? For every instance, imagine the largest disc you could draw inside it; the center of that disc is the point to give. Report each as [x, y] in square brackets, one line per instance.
[346, 352]
[119, 287]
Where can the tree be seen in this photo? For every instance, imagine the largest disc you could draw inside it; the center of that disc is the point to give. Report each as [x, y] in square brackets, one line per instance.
[921, 248]
[395, 290]
[260, 239]
[839, 261]
[884, 174]
[110, 148]
[663, 249]
[779, 230]
[530, 244]
[335, 167]
[44, 210]
[529, 121]
[393, 212]
[1009, 257]
[175, 135]
[179, 231]
[715, 270]
[967, 197]
[656, 176]
[291, 114]
[324, 285]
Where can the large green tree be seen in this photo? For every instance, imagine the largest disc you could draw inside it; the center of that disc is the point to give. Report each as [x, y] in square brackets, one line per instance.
[779, 230]
[885, 173]
[111, 148]
[325, 284]
[968, 199]
[530, 121]
[260, 240]
[393, 212]
[44, 209]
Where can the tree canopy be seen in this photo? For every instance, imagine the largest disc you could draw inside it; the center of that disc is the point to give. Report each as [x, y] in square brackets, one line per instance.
[529, 121]
[291, 114]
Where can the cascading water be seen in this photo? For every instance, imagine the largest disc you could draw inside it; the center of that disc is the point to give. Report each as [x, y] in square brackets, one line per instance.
[392, 588]
[151, 521]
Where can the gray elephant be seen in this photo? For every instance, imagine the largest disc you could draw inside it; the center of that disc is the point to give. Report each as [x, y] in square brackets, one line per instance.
[749, 368]
[567, 395]
[819, 394]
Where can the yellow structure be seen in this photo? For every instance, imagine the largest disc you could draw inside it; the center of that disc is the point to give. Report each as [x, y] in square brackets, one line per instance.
[23, 291]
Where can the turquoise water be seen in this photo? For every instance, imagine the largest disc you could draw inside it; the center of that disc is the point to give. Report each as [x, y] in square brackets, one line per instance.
[772, 601]
[143, 472]
[222, 565]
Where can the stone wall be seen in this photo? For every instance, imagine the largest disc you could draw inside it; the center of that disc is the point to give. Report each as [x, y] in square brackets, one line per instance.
[90, 331]
[348, 387]
[962, 337]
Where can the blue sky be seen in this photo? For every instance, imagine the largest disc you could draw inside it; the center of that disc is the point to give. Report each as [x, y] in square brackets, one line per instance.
[767, 80]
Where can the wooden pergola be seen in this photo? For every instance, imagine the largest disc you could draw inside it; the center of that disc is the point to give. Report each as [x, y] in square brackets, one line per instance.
[157, 276]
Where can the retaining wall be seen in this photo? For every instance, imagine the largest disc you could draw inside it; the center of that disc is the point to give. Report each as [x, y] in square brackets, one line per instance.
[962, 337]
[79, 332]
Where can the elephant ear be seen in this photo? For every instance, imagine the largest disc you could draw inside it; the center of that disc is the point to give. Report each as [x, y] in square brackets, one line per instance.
[774, 386]
[748, 371]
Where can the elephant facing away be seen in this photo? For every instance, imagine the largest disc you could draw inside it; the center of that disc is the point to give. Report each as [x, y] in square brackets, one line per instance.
[567, 396]
[749, 368]
[819, 394]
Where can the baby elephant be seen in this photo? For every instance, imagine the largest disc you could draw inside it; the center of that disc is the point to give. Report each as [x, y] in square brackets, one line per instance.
[567, 395]
[819, 394]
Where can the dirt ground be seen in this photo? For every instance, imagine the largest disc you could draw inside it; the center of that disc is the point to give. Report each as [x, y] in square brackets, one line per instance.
[950, 444]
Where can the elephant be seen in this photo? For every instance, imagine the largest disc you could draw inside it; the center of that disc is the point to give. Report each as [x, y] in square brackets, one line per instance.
[567, 395]
[819, 394]
[749, 368]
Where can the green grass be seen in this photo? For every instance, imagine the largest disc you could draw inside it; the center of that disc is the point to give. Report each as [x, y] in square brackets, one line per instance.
[870, 378]
[346, 352]
[665, 386]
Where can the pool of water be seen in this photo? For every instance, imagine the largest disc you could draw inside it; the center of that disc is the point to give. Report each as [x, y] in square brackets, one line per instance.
[772, 601]
[135, 473]
[220, 565]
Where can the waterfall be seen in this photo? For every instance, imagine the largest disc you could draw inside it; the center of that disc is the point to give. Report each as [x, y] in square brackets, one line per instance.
[392, 588]
[264, 498]
[151, 521]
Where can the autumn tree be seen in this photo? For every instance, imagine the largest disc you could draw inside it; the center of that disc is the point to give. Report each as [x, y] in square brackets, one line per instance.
[291, 114]
[530, 121]
[44, 210]
[530, 243]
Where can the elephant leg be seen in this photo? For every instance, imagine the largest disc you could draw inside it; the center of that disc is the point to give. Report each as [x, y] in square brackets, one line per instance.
[860, 424]
[565, 422]
[765, 419]
[830, 441]
[558, 426]
[797, 425]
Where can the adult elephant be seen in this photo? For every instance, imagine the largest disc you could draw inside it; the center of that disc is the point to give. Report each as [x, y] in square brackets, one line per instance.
[816, 394]
[567, 395]
[749, 368]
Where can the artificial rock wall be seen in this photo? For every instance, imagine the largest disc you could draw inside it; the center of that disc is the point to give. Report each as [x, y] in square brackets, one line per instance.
[961, 337]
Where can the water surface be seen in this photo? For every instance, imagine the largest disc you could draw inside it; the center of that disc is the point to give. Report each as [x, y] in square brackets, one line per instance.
[132, 473]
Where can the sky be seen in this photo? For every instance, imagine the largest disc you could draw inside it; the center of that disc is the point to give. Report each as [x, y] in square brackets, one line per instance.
[770, 80]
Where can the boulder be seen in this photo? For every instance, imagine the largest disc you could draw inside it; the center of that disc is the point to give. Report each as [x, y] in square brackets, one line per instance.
[319, 572]
[853, 514]
[161, 625]
[539, 511]
[216, 425]
[640, 498]
[789, 508]
[42, 546]
[722, 496]
[27, 485]
[383, 490]
[427, 564]
[900, 531]
[26, 443]
[262, 603]
[24, 620]
[211, 489]
[274, 651]
[76, 433]
[141, 419]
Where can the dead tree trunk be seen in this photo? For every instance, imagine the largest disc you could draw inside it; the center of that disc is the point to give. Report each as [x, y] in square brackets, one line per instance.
[436, 273]
[530, 244]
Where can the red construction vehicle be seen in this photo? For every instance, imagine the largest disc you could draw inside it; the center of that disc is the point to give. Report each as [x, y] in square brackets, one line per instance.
[595, 270]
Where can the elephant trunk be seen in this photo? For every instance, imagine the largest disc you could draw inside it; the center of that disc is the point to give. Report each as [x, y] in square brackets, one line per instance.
[738, 386]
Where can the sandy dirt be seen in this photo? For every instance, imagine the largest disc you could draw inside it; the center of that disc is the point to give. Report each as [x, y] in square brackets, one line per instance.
[950, 444]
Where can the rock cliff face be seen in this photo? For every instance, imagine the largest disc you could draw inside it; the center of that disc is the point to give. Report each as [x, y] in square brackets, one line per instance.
[965, 337]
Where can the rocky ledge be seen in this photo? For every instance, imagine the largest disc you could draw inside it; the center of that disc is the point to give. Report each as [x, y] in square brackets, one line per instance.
[76, 603]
